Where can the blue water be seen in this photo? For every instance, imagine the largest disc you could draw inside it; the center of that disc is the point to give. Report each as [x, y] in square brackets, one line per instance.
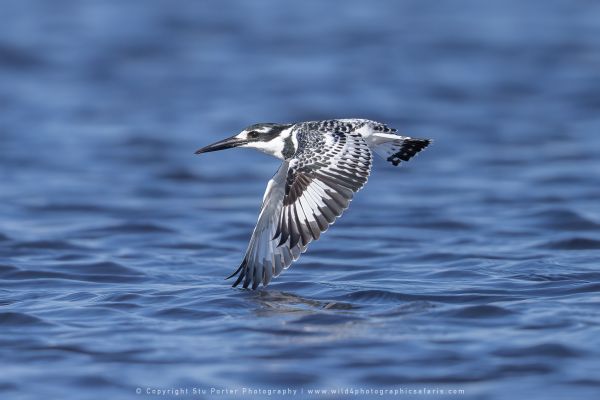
[473, 267]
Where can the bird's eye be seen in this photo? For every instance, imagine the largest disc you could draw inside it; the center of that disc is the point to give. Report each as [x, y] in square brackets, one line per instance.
[252, 134]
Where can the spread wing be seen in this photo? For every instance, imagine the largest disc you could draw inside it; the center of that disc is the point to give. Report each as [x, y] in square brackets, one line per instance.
[306, 195]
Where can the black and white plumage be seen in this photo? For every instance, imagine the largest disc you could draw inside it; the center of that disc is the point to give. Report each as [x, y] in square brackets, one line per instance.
[324, 164]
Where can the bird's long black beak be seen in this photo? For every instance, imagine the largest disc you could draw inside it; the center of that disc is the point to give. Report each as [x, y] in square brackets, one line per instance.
[228, 143]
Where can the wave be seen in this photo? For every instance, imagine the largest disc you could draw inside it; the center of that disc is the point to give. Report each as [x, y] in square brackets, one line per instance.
[563, 219]
[101, 272]
[127, 228]
[574, 243]
[479, 311]
[20, 319]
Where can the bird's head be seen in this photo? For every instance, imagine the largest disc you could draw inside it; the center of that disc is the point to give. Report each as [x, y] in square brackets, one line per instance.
[268, 138]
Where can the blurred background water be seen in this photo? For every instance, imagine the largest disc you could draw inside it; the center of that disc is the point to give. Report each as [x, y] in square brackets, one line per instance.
[473, 267]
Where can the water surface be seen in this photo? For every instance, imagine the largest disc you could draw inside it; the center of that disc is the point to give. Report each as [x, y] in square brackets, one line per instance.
[473, 267]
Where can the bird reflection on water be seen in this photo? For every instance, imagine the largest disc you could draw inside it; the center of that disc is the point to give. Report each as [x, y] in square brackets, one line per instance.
[274, 301]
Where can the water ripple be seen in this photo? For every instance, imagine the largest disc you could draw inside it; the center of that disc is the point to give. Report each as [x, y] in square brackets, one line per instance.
[474, 266]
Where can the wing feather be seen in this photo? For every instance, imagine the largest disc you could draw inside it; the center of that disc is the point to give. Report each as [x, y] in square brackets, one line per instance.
[306, 195]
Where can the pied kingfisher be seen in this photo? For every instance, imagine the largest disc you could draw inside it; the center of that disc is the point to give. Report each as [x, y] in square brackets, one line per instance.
[324, 164]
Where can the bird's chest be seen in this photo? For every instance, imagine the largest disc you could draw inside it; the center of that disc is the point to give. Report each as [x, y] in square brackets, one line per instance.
[290, 147]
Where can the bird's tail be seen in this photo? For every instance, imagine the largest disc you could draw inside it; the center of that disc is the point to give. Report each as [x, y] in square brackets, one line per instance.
[401, 149]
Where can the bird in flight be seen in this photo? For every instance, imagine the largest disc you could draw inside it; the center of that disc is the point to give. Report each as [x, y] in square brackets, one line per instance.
[324, 164]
